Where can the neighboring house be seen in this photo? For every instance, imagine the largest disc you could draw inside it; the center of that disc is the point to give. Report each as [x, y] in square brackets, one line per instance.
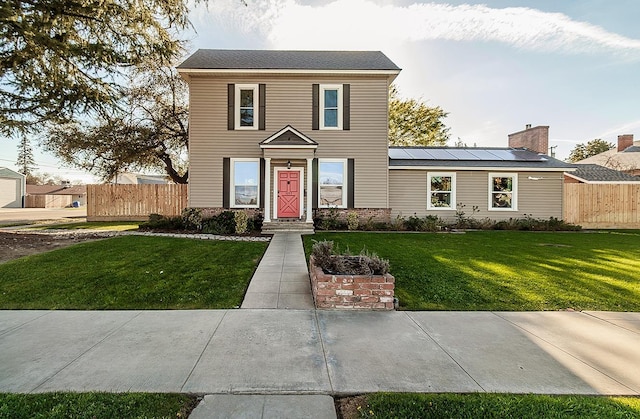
[12, 188]
[56, 196]
[593, 173]
[290, 133]
[140, 179]
[625, 157]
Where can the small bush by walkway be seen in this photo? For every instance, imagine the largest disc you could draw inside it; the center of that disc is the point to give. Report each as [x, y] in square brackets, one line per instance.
[506, 270]
[132, 272]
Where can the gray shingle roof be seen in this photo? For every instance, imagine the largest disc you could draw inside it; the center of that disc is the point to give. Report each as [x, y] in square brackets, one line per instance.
[597, 173]
[498, 157]
[222, 59]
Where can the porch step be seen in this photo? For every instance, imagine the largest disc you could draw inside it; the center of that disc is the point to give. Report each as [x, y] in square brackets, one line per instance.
[294, 226]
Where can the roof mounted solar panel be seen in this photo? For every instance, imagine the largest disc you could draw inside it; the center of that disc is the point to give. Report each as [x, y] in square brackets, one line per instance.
[462, 154]
[482, 154]
[504, 155]
[441, 154]
[398, 153]
[418, 153]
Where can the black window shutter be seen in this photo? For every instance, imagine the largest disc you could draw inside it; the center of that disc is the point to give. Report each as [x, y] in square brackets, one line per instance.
[346, 107]
[231, 117]
[262, 95]
[350, 184]
[262, 171]
[226, 181]
[314, 183]
[315, 114]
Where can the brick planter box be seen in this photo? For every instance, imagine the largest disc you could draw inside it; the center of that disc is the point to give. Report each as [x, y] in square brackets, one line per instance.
[351, 292]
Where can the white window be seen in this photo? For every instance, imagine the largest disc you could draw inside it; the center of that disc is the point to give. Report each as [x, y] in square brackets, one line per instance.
[503, 191]
[332, 190]
[441, 190]
[245, 175]
[330, 106]
[246, 106]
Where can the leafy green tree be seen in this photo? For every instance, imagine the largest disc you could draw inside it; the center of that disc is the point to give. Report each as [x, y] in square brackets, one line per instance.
[413, 123]
[61, 58]
[25, 161]
[148, 131]
[591, 148]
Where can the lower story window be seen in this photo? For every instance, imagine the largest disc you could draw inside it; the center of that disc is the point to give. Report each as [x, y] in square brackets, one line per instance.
[503, 191]
[331, 186]
[441, 191]
[245, 175]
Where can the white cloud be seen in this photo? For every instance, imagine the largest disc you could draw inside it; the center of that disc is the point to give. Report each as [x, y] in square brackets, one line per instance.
[363, 24]
[626, 128]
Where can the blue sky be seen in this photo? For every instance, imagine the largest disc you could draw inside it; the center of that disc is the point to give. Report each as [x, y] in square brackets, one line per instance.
[493, 65]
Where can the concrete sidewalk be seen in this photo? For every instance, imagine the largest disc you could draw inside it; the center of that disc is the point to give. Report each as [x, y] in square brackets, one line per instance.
[281, 352]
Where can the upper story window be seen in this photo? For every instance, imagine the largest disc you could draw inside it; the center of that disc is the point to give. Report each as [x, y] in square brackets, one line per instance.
[332, 189]
[246, 106]
[503, 191]
[441, 191]
[245, 174]
[330, 106]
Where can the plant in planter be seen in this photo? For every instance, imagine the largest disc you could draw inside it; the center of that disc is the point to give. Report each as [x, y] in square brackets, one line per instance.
[362, 264]
[350, 282]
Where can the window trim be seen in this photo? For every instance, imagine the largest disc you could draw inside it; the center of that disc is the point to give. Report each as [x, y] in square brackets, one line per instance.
[232, 181]
[340, 105]
[514, 190]
[345, 182]
[256, 105]
[452, 175]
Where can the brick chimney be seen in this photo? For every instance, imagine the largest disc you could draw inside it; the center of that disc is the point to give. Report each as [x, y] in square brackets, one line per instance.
[535, 139]
[624, 141]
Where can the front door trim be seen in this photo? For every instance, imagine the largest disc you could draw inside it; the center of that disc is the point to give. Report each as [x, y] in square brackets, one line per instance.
[276, 171]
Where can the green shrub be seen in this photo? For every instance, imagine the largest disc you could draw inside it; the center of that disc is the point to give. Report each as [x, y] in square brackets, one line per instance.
[192, 219]
[254, 223]
[241, 220]
[223, 223]
[352, 220]
[331, 221]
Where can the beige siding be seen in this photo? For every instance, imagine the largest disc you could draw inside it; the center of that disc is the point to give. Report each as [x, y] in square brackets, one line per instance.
[289, 154]
[540, 198]
[288, 103]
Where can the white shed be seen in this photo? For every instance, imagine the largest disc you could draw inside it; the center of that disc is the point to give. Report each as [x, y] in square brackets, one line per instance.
[12, 188]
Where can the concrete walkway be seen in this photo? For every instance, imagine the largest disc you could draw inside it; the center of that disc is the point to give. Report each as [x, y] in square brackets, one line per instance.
[281, 279]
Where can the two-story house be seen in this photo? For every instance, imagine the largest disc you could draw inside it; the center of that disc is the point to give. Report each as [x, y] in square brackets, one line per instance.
[288, 131]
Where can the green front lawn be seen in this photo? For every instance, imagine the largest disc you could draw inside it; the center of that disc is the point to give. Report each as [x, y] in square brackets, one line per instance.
[506, 270]
[132, 272]
[96, 405]
[390, 405]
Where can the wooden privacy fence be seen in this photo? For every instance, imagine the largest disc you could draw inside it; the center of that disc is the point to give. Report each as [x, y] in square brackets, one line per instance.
[134, 202]
[602, 205]
[48, 201]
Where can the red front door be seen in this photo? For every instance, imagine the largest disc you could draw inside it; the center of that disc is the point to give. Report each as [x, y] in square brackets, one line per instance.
[288, 194]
